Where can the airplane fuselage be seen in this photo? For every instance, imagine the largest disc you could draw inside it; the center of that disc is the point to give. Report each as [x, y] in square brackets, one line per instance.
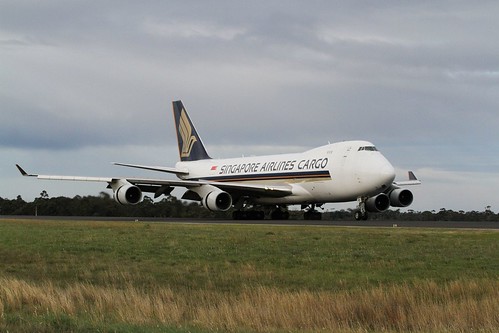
[337, 172]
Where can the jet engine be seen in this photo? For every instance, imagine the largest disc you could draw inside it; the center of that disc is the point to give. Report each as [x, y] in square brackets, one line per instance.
[378, 203]
[401, 197]
[217, 200]
[128, 194]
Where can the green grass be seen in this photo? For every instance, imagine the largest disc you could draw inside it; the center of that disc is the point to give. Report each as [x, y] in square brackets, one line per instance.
[49, 323]
[229, 259]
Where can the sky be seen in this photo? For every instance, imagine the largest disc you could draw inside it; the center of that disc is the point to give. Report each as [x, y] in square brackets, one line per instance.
[87, 83]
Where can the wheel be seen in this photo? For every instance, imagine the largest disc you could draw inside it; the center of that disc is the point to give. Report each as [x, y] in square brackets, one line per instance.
[279, 215]
[312, 215]
[248, 215]
[359, 216]
[256, 215]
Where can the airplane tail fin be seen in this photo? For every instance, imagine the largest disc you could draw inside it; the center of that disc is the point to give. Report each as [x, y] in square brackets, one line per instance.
[190, 146]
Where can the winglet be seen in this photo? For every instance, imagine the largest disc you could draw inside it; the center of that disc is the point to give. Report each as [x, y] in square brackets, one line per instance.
[190, 147]
[413, 180]
[23, 172]
[412, 176]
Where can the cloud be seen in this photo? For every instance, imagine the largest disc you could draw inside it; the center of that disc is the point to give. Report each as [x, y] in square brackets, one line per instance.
[417, 79]
[456, 190]
[181, 29]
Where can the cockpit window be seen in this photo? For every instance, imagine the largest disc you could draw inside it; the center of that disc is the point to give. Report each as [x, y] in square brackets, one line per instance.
[368, 148]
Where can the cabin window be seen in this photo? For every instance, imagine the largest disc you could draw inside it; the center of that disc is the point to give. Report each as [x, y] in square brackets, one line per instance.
[368, 148]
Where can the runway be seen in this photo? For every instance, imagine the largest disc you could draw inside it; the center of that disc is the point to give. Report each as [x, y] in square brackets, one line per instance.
[367, 224]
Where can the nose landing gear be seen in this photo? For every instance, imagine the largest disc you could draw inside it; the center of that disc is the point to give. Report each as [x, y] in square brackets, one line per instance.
[361, 212]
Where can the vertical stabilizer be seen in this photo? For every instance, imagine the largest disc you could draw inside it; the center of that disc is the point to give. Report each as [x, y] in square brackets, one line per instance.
[190, 146]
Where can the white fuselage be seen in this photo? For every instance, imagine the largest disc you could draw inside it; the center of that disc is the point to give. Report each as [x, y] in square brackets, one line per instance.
[338, 172]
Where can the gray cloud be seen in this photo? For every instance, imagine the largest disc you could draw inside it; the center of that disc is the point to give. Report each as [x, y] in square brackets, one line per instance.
[420, 77]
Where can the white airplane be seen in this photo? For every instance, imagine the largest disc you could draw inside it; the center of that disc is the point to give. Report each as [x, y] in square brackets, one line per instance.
[253, 186]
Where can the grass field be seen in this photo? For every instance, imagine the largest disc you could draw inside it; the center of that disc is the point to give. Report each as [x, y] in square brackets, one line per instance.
[73, 276]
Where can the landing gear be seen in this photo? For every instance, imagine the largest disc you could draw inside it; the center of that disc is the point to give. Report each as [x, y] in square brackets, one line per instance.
[248, 215]
[312, 213]
[248, 211]
[359, 216]
[279, 214]
[361, 213]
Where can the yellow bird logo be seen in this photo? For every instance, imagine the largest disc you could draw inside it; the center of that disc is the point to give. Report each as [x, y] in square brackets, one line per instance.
[185, 130]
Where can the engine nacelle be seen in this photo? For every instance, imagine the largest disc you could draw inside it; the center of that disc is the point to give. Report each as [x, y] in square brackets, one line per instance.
[401, 197]
[378, 203]
[217, 200]
[128, 194]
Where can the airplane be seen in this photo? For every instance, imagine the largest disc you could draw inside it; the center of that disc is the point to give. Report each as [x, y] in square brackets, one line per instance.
[265, 185]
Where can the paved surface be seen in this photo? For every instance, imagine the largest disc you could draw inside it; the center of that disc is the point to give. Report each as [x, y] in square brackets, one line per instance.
[370, 223]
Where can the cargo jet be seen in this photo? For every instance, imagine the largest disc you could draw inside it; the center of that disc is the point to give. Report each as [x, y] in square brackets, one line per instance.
[258, 186]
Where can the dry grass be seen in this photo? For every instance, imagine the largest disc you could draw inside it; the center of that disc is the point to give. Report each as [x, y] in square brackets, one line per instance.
[134, 277]
[458, 306]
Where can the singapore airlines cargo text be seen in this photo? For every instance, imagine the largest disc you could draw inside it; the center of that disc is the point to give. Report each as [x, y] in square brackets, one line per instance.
[289, 165]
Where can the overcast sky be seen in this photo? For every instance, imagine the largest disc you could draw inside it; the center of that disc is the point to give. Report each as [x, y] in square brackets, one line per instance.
[86, 83]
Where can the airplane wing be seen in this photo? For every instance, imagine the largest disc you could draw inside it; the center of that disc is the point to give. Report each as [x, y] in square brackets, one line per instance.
[165, 186]
[70, 178]
[254, 189]
[155, 168]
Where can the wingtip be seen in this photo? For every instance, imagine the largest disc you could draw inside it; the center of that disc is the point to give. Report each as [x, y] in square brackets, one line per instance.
[21, 170]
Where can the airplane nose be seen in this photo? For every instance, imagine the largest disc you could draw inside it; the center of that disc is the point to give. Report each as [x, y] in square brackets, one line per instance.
[375, 174]
[379, 173]
[386, 173]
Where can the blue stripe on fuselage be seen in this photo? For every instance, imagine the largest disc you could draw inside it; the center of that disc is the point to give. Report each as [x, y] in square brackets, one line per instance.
[271, 176]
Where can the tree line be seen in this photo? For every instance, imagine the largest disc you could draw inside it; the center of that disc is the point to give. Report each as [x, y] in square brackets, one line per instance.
[103, 205]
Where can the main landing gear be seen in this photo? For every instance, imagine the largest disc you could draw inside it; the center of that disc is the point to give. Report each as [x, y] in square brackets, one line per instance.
[248, 215]
[275, 213]
[312, 213]
[245, 211]
[279, 214]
